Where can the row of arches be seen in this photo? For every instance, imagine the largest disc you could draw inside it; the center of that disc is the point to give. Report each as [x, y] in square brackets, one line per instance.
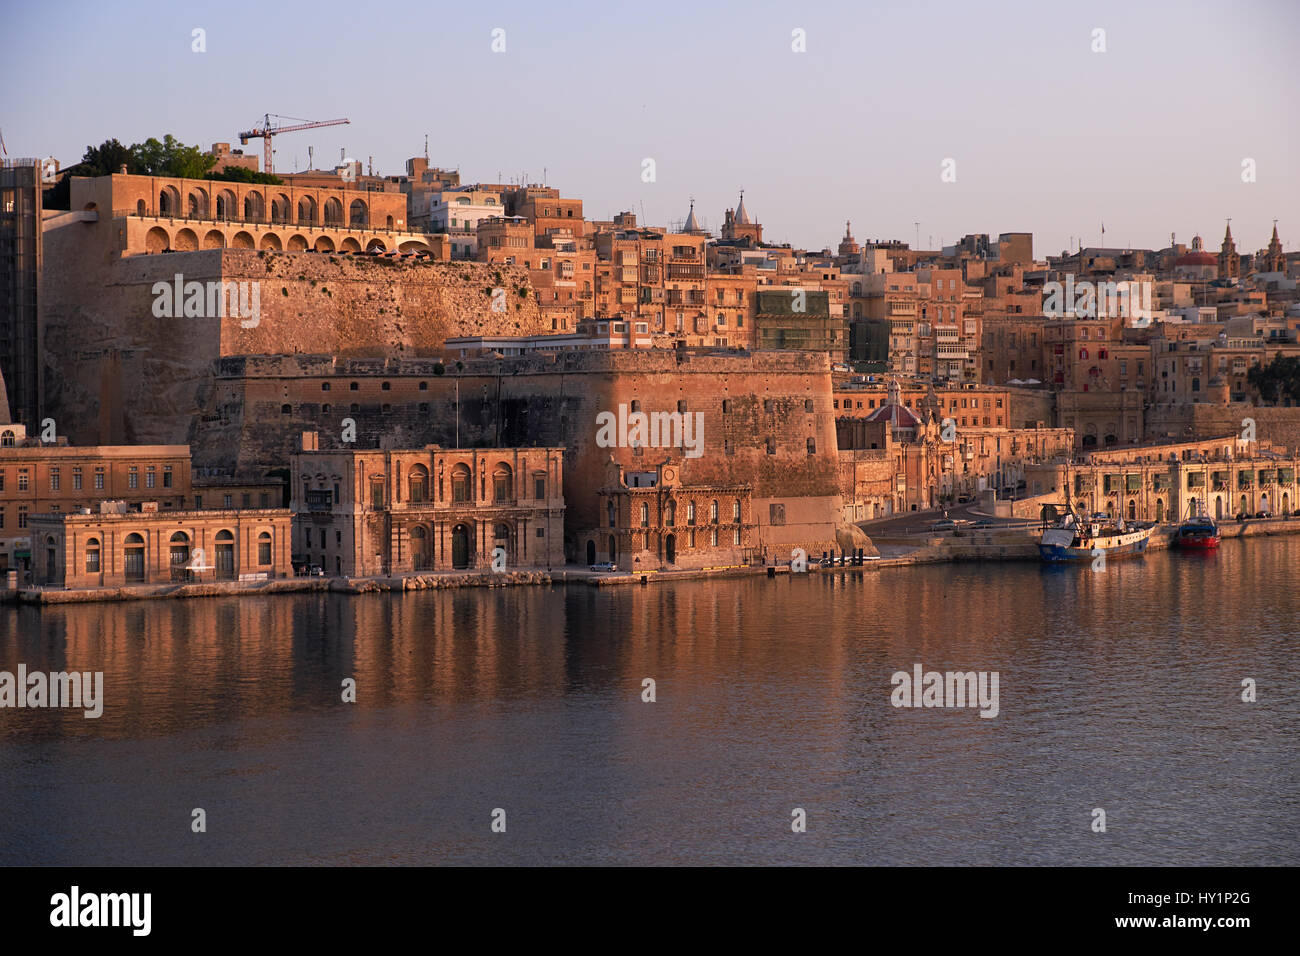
[182, 560]
[226, 206]
[158, 239]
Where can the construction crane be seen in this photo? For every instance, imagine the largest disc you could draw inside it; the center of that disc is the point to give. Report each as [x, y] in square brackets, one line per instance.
[267, 130]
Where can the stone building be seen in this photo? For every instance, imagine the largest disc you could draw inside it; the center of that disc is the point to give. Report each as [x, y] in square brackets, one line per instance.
[652, 522]
[119, 547]
[1161, 483]
[370, 512]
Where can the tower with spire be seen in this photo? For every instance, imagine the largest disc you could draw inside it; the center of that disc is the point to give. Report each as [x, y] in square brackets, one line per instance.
[849, 248]
[1274, 260]
[736, 224]
[692, 225]
[1229, 261]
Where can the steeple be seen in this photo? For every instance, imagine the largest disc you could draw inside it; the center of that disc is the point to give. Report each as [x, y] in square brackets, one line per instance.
[1229, 261]
[692, 225]
[1274, 260]
[742, 217]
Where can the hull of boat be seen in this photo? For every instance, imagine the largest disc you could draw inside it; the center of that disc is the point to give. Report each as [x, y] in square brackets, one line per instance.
[1199, 542]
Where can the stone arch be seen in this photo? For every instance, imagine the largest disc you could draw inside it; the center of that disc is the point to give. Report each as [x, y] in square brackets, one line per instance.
[333, 214]
[186, 240]
[412, 246]
[307, 211]
[198, 203]
[420, 548]
[169, 202]
[297, 243]
[254, 207]
[350, 245]
[140, 208]
[324, 244]
[376, 244]
[242, 240]
[417, 480]
[227, 207]
[358, 213]
[271, 241]
[215, 239]
[157, 240]
[280, 208]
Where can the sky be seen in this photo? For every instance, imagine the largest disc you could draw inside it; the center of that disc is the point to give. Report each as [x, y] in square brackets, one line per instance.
[1147, 137]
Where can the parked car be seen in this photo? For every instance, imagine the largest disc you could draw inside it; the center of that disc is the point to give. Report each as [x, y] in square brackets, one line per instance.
[605, 566]
[1242, 516]
[943, 524]
[963, 499]
[1263, 514]
[986, 523]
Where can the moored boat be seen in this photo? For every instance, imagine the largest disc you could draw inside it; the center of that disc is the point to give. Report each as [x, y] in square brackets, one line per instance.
[1078, 540]
[1198, 533]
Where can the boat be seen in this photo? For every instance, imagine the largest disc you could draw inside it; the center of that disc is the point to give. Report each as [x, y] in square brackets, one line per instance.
[1198, 533]
[1077, 538]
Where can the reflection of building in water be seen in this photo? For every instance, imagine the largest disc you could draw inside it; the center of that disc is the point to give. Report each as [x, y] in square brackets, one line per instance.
[427, 509]
[122, 547]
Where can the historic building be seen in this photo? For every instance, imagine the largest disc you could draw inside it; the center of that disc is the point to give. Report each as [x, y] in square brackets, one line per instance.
[117, 547]
[653, 522]
[1162, 483]
[370, 512]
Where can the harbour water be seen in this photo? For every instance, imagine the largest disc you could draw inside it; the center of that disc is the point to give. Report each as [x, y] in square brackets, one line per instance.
[1119, 690]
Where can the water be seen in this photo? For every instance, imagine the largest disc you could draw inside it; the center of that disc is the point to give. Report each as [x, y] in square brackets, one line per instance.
[1118, 690]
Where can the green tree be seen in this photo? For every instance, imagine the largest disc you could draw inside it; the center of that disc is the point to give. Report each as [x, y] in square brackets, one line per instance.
[1279, 379]
[172, 158]
[237, 174]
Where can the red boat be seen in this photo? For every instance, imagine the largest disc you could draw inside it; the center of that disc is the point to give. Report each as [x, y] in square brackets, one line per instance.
[1197, 534]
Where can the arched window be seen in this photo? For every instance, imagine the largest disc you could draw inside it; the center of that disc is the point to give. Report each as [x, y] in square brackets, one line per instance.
[502, 483]
[645, 515]
[133, 566]
[735, 511]
[713, 511]
[670, 513]
[609, 511]
[92, 556]
[264, 548]
[6, 439]
[460, 480]
[690, 512]
[418, 484]
[180, 549]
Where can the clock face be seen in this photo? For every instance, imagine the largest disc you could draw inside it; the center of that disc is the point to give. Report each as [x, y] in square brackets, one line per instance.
[670, 474]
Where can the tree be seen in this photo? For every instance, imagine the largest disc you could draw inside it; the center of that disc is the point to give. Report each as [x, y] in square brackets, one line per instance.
[172, 158]
[1280, 378]
[237, 174]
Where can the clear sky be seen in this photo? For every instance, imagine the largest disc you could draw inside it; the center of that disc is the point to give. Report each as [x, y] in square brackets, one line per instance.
[1047, 136]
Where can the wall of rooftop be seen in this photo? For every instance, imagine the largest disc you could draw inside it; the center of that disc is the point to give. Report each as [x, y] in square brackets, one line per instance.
[117, 373]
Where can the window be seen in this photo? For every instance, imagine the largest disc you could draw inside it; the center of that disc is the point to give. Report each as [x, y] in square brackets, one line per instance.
[22, 479]
[812, 446]
[771, 446]
[808, 405]
[735, 511]
[286, 409]
[501, 484]
[713, 537]
[776, 514]
[539, 488]
[227, 502]
[246, 500]
[645, 515]
[54, 479]
[7, 439]
[150, 477]
[713, 511]
[352, 387]
[167, 477]
[690, 512]
[264, 501]
[460, 483]
[264, 548]
[324, 386]
[92, 556]
[22, 516]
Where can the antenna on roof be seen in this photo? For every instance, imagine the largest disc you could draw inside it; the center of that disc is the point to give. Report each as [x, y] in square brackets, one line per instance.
[426, 147]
